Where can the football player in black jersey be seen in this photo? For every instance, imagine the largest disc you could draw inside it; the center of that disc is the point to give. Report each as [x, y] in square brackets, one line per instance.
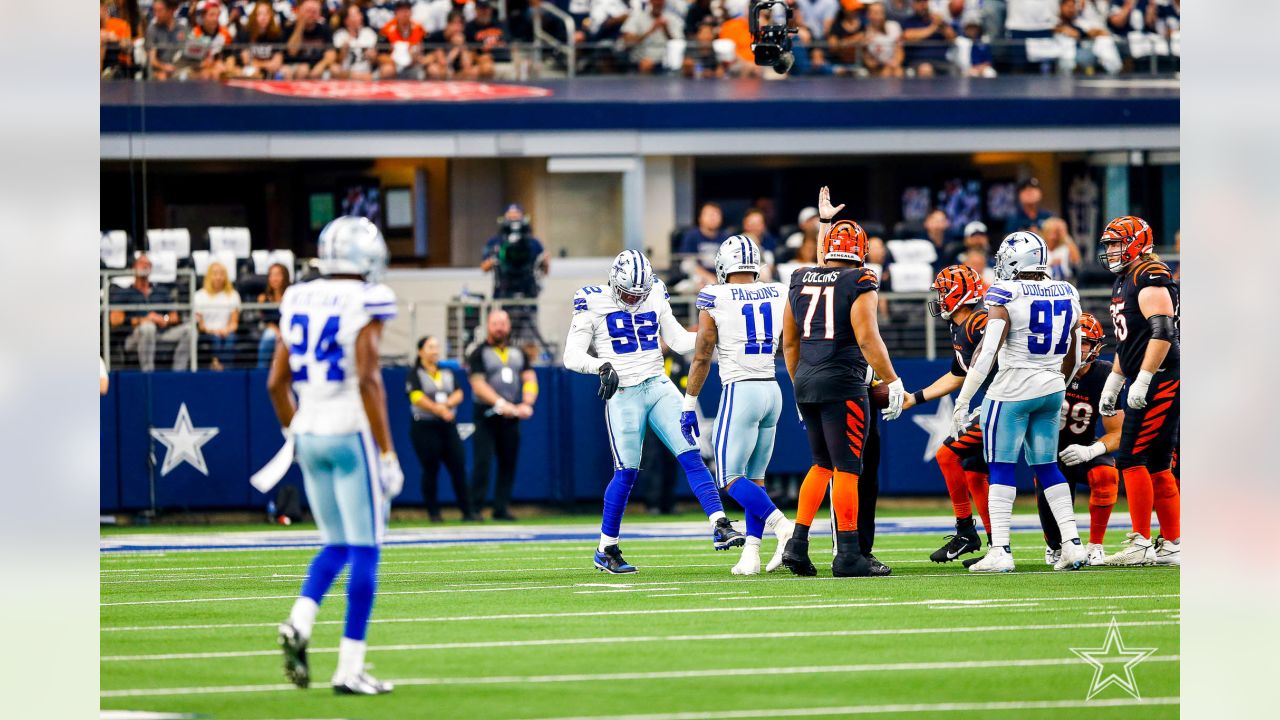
[960, 292]
[830, 335]
[1144, 310]
[1084, 458]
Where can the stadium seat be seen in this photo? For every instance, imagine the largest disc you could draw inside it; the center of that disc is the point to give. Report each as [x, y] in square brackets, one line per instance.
[264, 259]
[175, 240]
[913, 251]
[201, 259]
[911, 276]
[114, 249]
[164, 265]
[234, 240]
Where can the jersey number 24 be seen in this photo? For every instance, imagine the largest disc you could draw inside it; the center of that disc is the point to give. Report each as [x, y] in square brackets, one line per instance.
[327, 348]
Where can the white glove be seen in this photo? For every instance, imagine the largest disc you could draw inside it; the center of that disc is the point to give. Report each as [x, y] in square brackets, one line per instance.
[1080, 454]
[960, 419]
[1110, 394]
[390, 474]
[1138, 390]
[896, 395]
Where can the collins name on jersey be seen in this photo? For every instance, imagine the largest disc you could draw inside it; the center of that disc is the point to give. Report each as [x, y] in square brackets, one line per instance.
[748, 321]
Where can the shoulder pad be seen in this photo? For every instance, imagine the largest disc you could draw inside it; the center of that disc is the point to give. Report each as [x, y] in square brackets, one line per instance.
[707, 298]
[379, 301]
[863, 278]
[1152, 273]
[586, 296]
[976, 326]
[661, 287]
[1002, 292]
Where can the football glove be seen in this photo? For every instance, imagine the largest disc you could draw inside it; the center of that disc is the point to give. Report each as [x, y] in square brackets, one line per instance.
[961, 418]
[1110, 395]
[896, 394]
[1138, 390]
[390, 474]
[608, 382]
[1080, 454]
[689, 426]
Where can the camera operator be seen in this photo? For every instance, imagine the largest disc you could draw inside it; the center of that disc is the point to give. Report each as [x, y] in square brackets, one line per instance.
[517, 260]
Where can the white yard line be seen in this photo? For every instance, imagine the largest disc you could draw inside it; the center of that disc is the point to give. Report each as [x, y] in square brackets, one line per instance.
[700, 594]
[773, 597]
[970, 707]
[753, 672]
[984, 607]
[656, 611]
[775, 635]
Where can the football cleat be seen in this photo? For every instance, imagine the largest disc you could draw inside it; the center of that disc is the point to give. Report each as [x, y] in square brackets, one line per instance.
[1051, 556]
[849, 560]
[749, 563]
[970, 562]
[610, 560]
[1168, 552]
[997, 560]
[965, 540]
[1097, 555]
[295, 655]
[362, 684]
[725, 537]
[1135, 550]
[878, 569]
[775, 562]
[795, 555]
[1071, 556]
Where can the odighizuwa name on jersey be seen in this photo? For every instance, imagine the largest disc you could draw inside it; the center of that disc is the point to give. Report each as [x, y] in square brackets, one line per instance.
[1042, 314]
[748, 321]
[627, 341]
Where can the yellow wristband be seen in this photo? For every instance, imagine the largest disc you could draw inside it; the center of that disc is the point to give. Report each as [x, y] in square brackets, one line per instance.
[530, 387]
[415, 396]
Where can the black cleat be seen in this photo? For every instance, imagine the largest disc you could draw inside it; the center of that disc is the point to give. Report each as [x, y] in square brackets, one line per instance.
[610, 560]
[795, 554]
[972, 561]
[849, 560]
[362, 684]
[878, 569]
[965, 540]
[295, 655]
[725, 537]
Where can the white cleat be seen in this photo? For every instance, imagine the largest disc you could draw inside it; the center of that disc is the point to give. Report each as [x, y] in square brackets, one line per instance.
[1135, 550]
[996, 560]
[1071, 557]
[775, 562]
[749, 563]
[1096, 554]
[362, 684]
[1051, 556]
[1168, 552]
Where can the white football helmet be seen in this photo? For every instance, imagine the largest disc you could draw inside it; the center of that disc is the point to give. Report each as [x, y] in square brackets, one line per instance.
[1021, 252]
[353, 245]
[631, 279]
[737, 254]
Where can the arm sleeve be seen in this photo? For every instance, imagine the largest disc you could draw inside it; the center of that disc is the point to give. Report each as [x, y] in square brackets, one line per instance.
[581, 332]
[982, 364]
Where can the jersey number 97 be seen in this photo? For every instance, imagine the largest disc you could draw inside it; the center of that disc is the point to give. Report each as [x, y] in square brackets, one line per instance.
[1042, 326]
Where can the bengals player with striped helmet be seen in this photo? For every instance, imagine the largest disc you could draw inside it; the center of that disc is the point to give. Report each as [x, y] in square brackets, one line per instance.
[960, 290]
[1144, 312]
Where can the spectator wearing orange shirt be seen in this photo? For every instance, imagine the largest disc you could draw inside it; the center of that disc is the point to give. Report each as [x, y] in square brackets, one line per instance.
[405, 38]
[737, 29]
[115, 41]
[203, 54]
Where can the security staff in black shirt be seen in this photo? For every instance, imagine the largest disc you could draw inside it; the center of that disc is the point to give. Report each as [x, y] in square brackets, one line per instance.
[505, 390]
[434, 395]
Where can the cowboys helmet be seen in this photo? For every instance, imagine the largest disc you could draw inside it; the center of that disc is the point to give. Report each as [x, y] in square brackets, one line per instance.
[1021, 252]
[631, 279]
[353, 245]
[737, 254]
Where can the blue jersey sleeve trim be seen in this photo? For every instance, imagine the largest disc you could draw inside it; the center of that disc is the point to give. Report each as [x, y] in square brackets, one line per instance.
[705, 301]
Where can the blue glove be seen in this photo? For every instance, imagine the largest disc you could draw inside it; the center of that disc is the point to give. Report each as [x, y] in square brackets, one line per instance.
[689, 426]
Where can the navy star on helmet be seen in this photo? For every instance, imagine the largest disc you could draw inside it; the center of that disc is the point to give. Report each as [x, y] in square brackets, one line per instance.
[631, 279]
[1021, 252]
[353, 245]
[737, 254]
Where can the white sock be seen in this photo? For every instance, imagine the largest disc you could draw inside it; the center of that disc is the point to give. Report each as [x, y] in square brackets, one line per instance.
[777, 523]
[606, 541]
[713, 517]
[350, 659]
[1000, 505]
[303, 615]
[753, 545]
[1059, 498]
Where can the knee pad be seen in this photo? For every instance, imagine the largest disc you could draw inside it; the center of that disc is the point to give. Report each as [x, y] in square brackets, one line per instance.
[1104, 485]
[1164, 484]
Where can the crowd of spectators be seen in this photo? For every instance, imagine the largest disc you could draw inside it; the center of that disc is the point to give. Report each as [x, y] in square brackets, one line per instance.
[469, 39]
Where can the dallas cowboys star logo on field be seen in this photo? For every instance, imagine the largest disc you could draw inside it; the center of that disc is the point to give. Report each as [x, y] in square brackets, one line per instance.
[1113, 651]
[938, 425]
[182, 443]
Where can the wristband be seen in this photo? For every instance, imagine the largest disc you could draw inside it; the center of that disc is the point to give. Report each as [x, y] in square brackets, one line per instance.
[919, 397]
[690, 402]
[825, 221]
[387, 456]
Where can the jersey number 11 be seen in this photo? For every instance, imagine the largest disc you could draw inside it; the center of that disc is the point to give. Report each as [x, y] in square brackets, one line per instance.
[764, 345]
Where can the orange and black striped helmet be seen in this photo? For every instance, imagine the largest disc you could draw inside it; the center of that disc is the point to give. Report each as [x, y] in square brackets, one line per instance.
[1124, 240]
[845, 241]
[956, 285]
[1093, 332]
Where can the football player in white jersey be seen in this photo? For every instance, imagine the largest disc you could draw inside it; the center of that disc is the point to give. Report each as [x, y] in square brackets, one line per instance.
[1033, 324]
[621, 323]
[329, 358]
[736, 320]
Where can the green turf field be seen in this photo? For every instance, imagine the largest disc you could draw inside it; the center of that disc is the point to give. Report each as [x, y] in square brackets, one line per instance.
[530, 630]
